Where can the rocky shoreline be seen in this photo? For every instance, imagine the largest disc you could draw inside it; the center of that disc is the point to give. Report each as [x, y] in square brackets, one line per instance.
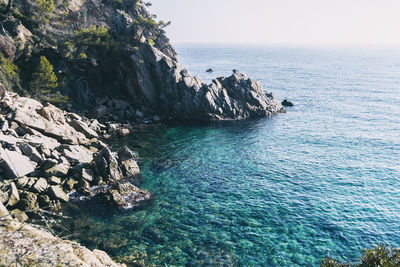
[48, 157]
[118, 74]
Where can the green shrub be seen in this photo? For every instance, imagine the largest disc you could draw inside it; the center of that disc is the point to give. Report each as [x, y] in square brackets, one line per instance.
[9, 74]
[44, 11]
[381, 256]
[44, 80]
[92, 37]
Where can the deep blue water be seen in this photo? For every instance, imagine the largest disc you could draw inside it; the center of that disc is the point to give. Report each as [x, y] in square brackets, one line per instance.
[321, 180]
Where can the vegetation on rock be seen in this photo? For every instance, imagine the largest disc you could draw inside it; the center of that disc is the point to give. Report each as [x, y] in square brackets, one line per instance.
[381, 255]
[9, 74]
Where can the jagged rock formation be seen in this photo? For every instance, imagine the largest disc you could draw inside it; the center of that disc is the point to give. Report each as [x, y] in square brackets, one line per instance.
[46, 152]
[135, 80]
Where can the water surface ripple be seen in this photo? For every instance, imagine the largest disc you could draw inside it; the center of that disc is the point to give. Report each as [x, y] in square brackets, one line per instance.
[321, 180]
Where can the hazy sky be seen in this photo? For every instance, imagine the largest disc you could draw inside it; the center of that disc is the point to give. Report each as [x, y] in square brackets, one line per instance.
[281, 21]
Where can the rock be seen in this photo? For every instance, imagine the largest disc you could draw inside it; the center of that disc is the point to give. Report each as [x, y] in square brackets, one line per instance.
[53, 180]
[55, 155]
[107, 166]
[77, 154]
[139, 114]
[49, 120]
[31, 152]
[57, 193]
[70, 184]
[120, 104]
[20, 215]
[184, 97]
[2, 91]
[42, 142]
[60, 170]
[123, 195]
[46, 203]
[87, 175]
[49, 163]
[3, 197]
[22, 182]
[4, 214]
[26, 182]
[287, 103]
[83, 187]
[129, 166]
[14, 164]
[210, 70]
[33, 246]
[123, 131]
[99, 111]
[28, 201]
[13, 195]
[40, 185]
[82, 127]
[156, 118]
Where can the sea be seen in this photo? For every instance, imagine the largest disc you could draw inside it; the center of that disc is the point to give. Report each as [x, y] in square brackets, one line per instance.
[322, 180]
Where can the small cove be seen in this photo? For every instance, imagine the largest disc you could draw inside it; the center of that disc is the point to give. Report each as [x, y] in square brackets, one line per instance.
[320, 180]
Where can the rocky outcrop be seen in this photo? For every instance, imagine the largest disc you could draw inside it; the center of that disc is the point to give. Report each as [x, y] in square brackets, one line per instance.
[171, 91]
[287, 103]
[43, 158]
[142, 71]
[23, 244]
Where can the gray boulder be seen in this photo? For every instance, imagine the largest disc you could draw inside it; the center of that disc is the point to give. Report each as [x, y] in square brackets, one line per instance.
[14, 164]
[60, 170]
[31, 152]
[82, 127]
[129, 166]
[57, 193]
[107, 166]
[13, 195]
[40, 185]
[77, 154]
[123, 195]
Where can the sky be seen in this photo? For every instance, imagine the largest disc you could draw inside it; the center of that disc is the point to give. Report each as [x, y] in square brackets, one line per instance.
[281, 21]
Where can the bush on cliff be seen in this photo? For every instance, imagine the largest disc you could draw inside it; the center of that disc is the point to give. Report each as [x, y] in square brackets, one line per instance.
[9, 74]
[92, 37]
[381, 255]
[44, 80]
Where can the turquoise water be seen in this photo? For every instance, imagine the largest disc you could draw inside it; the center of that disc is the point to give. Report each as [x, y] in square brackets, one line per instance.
[321, 180]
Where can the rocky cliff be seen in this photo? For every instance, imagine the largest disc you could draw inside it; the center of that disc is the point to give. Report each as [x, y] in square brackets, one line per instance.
[116, 62]
[106, 60]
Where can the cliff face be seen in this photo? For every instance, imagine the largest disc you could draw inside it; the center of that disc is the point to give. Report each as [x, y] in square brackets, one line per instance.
[129, 62]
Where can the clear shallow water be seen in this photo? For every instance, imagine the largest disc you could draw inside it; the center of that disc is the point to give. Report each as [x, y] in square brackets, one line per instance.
[321, 180]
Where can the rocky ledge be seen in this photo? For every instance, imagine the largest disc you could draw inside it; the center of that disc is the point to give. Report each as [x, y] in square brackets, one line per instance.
[173, 93]
[27, 245]
[47, 157]
[46, 154]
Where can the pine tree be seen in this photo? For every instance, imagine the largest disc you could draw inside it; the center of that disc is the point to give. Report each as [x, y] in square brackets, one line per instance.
[44, 81]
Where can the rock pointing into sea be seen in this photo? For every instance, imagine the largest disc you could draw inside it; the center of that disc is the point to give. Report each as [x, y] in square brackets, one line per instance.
[172, 91]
